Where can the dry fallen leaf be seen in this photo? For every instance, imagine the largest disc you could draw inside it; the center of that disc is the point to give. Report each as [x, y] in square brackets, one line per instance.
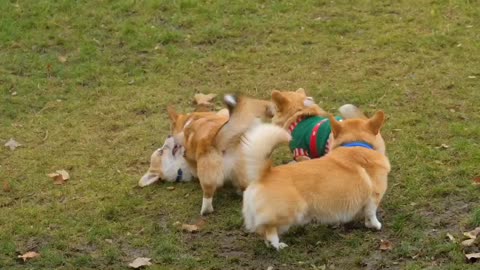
[385, 245]
[139, 262]
[170, 188]
[59, 177]
[29, 255]
[473, 233]
[451, 238]
[190, 228]
[12, 144]
[443, 146]
[476, 181]
[62, 58]
[473, 256]
[6, 186]
[468, 242]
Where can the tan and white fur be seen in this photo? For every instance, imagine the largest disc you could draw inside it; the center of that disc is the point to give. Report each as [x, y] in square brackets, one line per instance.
[165, 164]
[347, 183]
[212, 143]
[291, 105]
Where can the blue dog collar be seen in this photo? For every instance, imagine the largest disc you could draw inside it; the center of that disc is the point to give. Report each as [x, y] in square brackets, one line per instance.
[358, 144]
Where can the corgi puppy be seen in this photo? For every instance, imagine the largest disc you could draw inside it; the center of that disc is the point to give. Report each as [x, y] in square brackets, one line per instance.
[347, 183]
[306, 122]
[212, 143]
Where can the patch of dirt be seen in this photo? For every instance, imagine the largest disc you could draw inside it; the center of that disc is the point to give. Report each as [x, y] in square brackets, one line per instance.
[449, 218]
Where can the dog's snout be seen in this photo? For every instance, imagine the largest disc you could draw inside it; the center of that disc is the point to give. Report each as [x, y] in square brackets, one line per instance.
[169, 136]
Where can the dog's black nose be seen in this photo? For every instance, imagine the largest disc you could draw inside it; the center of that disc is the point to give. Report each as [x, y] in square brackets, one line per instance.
[169, 136]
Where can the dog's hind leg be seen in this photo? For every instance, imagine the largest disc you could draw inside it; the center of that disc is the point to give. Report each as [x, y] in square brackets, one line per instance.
[210, 175]
[207, 201]
[370, 212]
[271, 238]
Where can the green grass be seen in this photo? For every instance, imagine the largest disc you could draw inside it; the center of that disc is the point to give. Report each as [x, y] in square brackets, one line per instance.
[101, 113]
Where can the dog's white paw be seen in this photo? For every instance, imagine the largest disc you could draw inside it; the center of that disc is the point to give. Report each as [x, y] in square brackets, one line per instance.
[373, 224]
[207, 206]
[281, 245]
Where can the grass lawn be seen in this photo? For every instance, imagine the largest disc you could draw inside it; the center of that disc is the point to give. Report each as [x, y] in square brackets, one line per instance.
[84, 86]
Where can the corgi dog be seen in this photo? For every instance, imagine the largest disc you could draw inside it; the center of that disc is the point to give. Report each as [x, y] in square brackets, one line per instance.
[306, 122]
[167, 163]
[213, 143]
[347, 183]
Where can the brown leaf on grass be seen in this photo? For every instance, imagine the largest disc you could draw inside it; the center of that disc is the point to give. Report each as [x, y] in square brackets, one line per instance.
[139, 262]
[449, 236]
[29, 255]
[170, 188]
[473, 256]
[385, 245]
[473, 233]
[62, 58]
[12, 144]
[476, 181]
[203, 98]
[443, 146]
[191, 228]
[59, 177]
[6, 186]
[468, 242]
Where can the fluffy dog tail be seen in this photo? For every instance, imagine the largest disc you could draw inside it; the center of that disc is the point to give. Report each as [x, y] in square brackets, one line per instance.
[349, 111]
[257, 145]
[244, 113]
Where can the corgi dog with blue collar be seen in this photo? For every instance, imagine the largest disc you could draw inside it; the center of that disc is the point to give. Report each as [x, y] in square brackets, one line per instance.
[307, 123]
[347, 184]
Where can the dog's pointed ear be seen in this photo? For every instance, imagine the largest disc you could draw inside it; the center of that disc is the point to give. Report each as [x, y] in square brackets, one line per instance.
[172, 113]
[301, 91]
[148, 179]
[336, 127]
[308, 102]
[375, 123]
[278, 98]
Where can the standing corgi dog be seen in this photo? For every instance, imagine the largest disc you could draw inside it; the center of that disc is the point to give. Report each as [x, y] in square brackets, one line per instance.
[213, 143]
[306, 122]
[347, 183]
